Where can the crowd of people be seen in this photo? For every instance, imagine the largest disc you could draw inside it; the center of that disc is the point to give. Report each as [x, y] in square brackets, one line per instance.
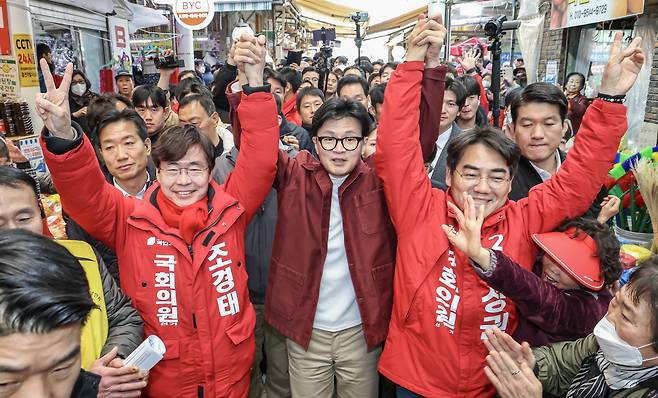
[298, 231]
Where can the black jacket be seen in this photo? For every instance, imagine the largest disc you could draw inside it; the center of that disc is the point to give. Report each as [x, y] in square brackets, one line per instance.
[223, 77]
[86, 386]
[259, 237]
[289, 128]
[527, 177]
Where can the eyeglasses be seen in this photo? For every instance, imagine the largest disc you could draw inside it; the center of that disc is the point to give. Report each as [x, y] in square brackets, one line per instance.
[330, 143]
[192, 172]
[474, 179]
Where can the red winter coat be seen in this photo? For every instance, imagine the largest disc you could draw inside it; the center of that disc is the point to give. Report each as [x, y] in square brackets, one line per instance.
[289, 110]
[441, 308]
[210, 342]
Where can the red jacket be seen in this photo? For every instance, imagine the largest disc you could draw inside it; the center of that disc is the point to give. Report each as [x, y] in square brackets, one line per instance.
[208, 329]
[289, 110]
[300, 247]
[441, 307]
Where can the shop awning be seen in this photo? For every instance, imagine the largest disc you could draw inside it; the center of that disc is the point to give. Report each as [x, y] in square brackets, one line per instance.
[398, 22]
[102, 6]
[230, 6]
[322, 13]
[145, 17]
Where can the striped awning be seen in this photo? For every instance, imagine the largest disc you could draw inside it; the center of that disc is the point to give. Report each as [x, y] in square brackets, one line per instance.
[229, 6]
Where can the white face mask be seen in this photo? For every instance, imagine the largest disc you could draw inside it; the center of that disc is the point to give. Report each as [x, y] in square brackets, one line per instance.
[614, 348]
[78, 88]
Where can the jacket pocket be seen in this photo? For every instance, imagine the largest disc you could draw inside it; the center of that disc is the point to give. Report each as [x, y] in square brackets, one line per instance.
[383, 276]
[371, 211]
[287, 288]
[240, 331]
[173, 349]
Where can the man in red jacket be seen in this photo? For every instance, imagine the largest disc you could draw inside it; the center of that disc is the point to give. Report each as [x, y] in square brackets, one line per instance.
[441, 308]
[181, 249]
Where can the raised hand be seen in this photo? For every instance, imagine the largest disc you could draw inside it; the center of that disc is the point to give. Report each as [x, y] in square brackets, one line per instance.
[468, 238]
[499, 341]
[249, 57]
[15, 154]
[609, 208]
[623, 67]
[470, 59]
[436, 40]
[511, 380]
[53, 106]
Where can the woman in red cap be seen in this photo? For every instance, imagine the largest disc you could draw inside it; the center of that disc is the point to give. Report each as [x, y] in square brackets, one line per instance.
[567, 292]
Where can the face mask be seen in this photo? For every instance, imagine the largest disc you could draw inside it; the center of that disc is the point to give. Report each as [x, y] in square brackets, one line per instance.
[614, 348]
[486, 84]
[79, 88]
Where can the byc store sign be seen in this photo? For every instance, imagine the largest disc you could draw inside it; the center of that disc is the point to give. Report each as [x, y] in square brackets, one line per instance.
[194, 14]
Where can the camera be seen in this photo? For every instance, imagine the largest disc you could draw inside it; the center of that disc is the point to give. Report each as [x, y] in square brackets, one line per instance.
[359, 17]
[495, 27]
[168, 62]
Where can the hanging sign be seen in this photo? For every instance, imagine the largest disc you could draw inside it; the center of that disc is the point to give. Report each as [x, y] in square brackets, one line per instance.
[194, 14]
[8, 77]
[568, 13]
[27, 68]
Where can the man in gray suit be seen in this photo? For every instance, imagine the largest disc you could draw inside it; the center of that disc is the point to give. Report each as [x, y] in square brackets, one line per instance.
[453, 100]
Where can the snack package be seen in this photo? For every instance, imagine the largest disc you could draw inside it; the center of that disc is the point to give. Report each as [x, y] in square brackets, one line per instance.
[53, 209]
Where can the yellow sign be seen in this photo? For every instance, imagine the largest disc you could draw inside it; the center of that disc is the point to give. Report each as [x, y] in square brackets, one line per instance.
[8, 77]
[27, 68]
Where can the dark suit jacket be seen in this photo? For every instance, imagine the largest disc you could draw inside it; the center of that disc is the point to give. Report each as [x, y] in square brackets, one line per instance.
[438, 177]
[527, 177]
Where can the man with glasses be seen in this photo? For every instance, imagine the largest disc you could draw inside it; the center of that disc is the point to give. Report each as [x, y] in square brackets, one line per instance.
[181, 249]
[442, 309]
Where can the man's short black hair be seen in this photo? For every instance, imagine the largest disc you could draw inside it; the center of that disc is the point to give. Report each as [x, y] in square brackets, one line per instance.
[272, 74]
[541, 93]
[377, 94]
[13, 178]
[582, 79]
[490, 137]
[157, 95]
[42, 286]
[357, 68]
[309, 69]
[182, 75]
[290, 75]
[42, 50]
[205, 101]
[457, 87]
[372, 77]
[190, 86]
[308, 91]
[366, 66]
[471, 85]
[126, 115]
[352, 79]
[390, 65]
[4, 151]
[101, 106]
[338, 108]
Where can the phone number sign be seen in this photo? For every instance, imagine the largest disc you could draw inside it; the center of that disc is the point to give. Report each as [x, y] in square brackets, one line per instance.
[27, 68]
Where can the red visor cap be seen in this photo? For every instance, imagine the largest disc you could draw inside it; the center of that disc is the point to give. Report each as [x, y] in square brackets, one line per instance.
[575, 251]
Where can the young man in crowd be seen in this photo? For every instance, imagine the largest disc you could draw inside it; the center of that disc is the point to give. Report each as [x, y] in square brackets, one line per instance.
[152, 105]
[386, 71]
[453, 100]
[376, 97]
[292, 80]
[276, 82]
[354, 88]
[441, 309]
[310, 74]
[308, 101]
[199, 111]
[125, 83]
[354, 70]
[376, 66]
[181, 250]
[125, 150]
[539, 121]
[468, 117]
[113, 329]
[45, 301]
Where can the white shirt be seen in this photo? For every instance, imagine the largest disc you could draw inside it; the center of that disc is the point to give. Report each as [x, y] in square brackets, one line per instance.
[337, 308]
[140, 194]
[545, 175]
[440, 145]
[227, 138]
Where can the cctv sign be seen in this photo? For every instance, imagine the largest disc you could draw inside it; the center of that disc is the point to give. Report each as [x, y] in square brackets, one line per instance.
[194, 14]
